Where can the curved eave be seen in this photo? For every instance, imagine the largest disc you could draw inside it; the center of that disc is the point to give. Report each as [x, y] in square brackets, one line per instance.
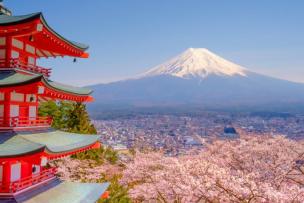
[69, 142]
[71, 192]
[78, 91]
[12, 145]
[48, 152]
[80, 46]
[23, 154]
[15, 20]
[55, 154]
[21, 145]
[13, 78]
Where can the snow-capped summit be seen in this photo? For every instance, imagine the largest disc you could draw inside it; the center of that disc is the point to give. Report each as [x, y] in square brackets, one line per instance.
[175, 84]
[196, 62]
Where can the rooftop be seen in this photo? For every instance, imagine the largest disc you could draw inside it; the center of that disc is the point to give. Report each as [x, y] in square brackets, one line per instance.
[71, 192]
[56, 191]
[12, 77]
[21, 143]
[6, 20]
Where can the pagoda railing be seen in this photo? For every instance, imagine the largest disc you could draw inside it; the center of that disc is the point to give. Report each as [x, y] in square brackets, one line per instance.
[25, 121]
[18, 63]
[27, 182]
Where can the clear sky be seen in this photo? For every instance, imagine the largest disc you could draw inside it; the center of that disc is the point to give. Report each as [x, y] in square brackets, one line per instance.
[127, 37]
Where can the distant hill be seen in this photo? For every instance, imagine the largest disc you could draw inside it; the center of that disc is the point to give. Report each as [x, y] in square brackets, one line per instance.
[198, 78]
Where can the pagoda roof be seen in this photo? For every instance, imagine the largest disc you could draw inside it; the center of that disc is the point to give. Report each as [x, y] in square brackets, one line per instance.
[12, 77]
[71, 192]
[6, 20]
[12, 145]
[8, 78]
[12, 20]
[52, 141]
[69, 88]
[57, 191]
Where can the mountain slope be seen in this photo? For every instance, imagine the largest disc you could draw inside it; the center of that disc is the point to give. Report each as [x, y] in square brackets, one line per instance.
[197, 63]
[198, 77]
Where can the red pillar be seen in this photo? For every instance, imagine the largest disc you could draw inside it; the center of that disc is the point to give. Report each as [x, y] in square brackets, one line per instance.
[26, 169]
[37, 105]
[6, 113]
[6, 177]
[8, 50]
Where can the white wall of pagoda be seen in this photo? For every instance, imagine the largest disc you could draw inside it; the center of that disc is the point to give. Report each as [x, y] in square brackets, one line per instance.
[17, 107]
[13, 48]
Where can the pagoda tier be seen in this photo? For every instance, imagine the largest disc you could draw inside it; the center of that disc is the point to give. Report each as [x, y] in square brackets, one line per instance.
[24, 39]
[43, 87]
[33, 30]
[20, 96]
[44, 144]
[33, 151]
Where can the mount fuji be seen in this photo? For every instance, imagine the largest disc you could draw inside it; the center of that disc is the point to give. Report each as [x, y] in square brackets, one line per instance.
[200, 78]
[198, 63]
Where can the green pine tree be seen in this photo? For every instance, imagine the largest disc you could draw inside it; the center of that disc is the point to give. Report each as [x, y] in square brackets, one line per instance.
[59, 112]
[73, 117]
[79, 120]
[68, 116]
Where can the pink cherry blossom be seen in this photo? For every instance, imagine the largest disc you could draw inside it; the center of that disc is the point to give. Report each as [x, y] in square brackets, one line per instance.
[252, 169]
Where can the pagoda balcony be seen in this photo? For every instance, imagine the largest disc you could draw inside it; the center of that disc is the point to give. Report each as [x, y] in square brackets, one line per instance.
[27, 182]
[25, 122]
[19, 64]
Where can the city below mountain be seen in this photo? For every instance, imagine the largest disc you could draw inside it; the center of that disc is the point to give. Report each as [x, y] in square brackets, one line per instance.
[199, 78]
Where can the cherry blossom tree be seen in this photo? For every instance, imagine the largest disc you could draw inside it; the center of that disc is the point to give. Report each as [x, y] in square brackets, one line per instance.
[250, 169]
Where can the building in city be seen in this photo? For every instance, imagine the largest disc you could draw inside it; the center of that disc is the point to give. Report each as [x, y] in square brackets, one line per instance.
[229, 133]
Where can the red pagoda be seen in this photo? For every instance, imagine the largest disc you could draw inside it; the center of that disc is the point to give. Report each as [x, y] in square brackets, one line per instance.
[27, 141]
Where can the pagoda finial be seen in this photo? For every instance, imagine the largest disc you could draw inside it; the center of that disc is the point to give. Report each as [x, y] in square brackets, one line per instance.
[3, 10]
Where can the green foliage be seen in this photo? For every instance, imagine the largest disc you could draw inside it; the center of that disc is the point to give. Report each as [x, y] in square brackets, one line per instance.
[58, 111]
[73, 117]
[118, 193]
[111, 155]
[93, 154]
[79, 120]
[68, 116]
[98, 155]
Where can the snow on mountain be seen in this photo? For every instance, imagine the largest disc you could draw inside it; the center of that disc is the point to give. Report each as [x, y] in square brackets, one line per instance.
[197, 62]
[198, 77]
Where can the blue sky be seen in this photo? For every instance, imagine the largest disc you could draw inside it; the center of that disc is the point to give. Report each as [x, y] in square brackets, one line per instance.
[127, 37]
